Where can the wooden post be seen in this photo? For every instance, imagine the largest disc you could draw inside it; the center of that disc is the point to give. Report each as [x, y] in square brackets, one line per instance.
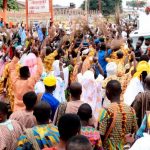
[51, 10]
[27, 14]
[5, 10]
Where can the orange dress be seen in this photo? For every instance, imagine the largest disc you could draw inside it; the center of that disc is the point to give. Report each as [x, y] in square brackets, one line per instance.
[20, 86]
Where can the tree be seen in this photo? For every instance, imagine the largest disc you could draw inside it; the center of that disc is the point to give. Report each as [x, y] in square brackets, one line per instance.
[11, 4]
[136, 4]
[108, 6]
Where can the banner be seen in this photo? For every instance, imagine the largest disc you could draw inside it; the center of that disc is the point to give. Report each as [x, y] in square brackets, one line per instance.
[38, 6]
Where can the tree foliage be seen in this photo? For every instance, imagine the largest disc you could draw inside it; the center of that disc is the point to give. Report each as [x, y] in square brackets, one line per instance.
[11, 4]
[108, 6]
[136, 3]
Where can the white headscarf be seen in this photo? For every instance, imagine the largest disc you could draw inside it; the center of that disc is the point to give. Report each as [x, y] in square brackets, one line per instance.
[111, 69]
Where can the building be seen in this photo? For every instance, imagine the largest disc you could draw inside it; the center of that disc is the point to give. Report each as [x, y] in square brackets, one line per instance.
[124, 4]
[21, 5]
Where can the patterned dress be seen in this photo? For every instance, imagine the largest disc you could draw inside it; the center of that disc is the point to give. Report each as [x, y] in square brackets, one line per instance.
[44, 135]
[93, 135]
[124, 119]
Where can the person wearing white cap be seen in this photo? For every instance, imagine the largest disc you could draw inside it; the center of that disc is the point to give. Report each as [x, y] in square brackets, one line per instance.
[111, 70]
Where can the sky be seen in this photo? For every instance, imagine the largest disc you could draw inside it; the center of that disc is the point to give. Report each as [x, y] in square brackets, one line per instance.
[67, 2]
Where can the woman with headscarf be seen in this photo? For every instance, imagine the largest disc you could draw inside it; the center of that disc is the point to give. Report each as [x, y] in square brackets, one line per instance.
[142, 70]
[91, 91]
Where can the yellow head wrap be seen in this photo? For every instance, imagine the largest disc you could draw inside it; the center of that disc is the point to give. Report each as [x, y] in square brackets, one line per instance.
[142, 66]
[50, 81]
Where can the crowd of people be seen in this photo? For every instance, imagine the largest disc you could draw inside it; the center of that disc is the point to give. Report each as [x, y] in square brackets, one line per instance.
[86, 89]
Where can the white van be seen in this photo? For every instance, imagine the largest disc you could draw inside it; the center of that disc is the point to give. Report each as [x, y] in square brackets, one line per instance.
[143, 27]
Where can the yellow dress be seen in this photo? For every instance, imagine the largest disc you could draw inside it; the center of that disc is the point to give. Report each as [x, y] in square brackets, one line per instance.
[8, 86]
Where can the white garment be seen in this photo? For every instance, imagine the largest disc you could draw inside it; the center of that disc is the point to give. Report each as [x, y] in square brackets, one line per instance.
[111, 69]
[124, 34]
[142, 143]
[133, 89]
[39, 87]
[59, 92]
[56, 70]
[91, 91]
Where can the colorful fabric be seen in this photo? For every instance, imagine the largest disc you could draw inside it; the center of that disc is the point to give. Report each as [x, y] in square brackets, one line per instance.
[93, 135]
[125, 123]
[124, 80]
[45, 135]
[52, 148]
[59, 112]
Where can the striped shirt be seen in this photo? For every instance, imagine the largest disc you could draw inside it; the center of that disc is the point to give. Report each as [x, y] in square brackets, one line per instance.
[10, 131]
[25, 118]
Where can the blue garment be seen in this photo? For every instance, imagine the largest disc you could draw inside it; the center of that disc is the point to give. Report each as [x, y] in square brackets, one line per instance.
[40, 34]
[1, 24]
[96, 41]
[101, 59]
[54, 103]
[22, 34]
[142, 128]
